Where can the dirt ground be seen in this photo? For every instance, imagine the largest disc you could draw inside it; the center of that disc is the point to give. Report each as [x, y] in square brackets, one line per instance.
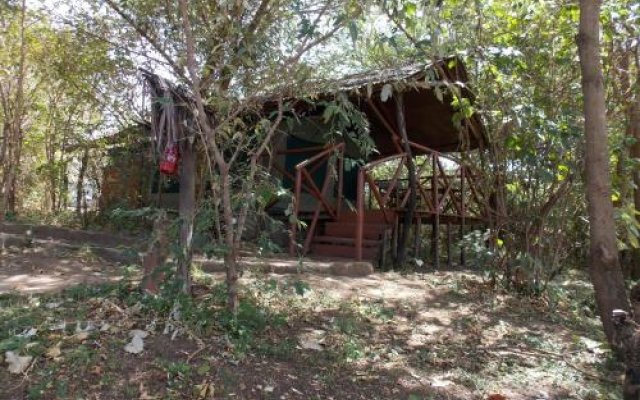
[300, 334]
[42, 270]
[51, 259]
[40, 259]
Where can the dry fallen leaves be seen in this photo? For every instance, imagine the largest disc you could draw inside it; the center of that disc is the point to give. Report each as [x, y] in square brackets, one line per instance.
[313, 340]
[144, 395]
[54, 351]
[80, 336]
[205, 390]
[136, 346]
[17, 364]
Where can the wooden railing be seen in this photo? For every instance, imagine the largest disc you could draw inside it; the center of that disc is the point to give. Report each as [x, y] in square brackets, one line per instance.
[450, 192]
[304, 181]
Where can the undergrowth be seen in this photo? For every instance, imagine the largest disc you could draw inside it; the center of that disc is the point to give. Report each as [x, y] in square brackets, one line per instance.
[358, 334]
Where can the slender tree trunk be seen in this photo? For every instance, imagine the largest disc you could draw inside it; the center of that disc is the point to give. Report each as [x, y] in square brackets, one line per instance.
[14, 143]
[5, 138]
[223, 167]
[231, 257]
[634, 132]
[156, 255]
[14, 169]
[187, 212]
[605, 271]
[413, 187]
[84, 161]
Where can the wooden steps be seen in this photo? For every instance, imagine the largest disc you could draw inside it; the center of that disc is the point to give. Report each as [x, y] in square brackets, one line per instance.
[348, 229]
[345, 241]
[338, 239]
[370, 216]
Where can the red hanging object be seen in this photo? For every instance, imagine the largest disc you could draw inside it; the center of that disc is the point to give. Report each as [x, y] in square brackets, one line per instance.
[169, 165]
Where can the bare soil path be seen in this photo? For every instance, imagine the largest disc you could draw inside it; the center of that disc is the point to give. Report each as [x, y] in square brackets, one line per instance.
[302, 333]
[38, 259]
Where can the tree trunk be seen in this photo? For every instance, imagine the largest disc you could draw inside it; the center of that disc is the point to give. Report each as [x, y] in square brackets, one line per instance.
[230, 258]
[84, 161]
[634, 132]
[413, 187]
[156, 255]
[11, 174]
[187, 212]
[605, 271]
[8, 203]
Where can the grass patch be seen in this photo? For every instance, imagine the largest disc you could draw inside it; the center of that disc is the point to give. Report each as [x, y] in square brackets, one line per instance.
[478, 342]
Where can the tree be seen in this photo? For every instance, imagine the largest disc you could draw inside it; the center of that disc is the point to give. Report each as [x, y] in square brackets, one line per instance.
[57, 88]
[604, 265]
[12, 94]
[231, 55]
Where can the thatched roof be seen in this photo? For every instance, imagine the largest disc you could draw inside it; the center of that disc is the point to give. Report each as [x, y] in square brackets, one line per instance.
[429, 115]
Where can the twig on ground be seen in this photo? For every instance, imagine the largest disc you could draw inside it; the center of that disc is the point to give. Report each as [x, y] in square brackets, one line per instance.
[195, 353]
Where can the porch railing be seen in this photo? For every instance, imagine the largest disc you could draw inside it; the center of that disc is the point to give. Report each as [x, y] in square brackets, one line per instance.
[332, 157]
[449, 192]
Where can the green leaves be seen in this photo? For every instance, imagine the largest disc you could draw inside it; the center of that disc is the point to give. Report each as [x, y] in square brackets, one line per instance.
[629, 218]
[562, 172]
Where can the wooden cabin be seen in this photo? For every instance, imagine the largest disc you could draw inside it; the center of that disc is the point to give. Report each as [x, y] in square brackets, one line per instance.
[343, 205]
[351, 211]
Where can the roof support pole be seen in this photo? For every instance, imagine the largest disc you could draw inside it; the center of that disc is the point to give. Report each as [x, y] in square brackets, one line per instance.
[417, 237]
[436, 216]
[449, 244]
[360, 214]
[340, 182]
[413, 186]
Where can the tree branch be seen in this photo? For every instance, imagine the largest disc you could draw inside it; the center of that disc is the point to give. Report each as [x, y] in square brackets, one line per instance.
[143, 33]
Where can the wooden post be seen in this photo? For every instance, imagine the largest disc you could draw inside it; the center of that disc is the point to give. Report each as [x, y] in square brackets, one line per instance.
[296, 208]
[360, 214]
[436, 216]
[416, 240]
[383, 254]
[340, 182]
[464, 211]
[409, 210]
[394, 238]
[449, 239]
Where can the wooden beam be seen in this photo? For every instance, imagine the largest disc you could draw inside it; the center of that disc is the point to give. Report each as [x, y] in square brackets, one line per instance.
[387, 125]
[316, 214]
[394, 181]
[317, 193]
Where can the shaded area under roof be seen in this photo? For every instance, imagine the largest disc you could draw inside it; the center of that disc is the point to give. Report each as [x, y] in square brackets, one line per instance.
[429, 119]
